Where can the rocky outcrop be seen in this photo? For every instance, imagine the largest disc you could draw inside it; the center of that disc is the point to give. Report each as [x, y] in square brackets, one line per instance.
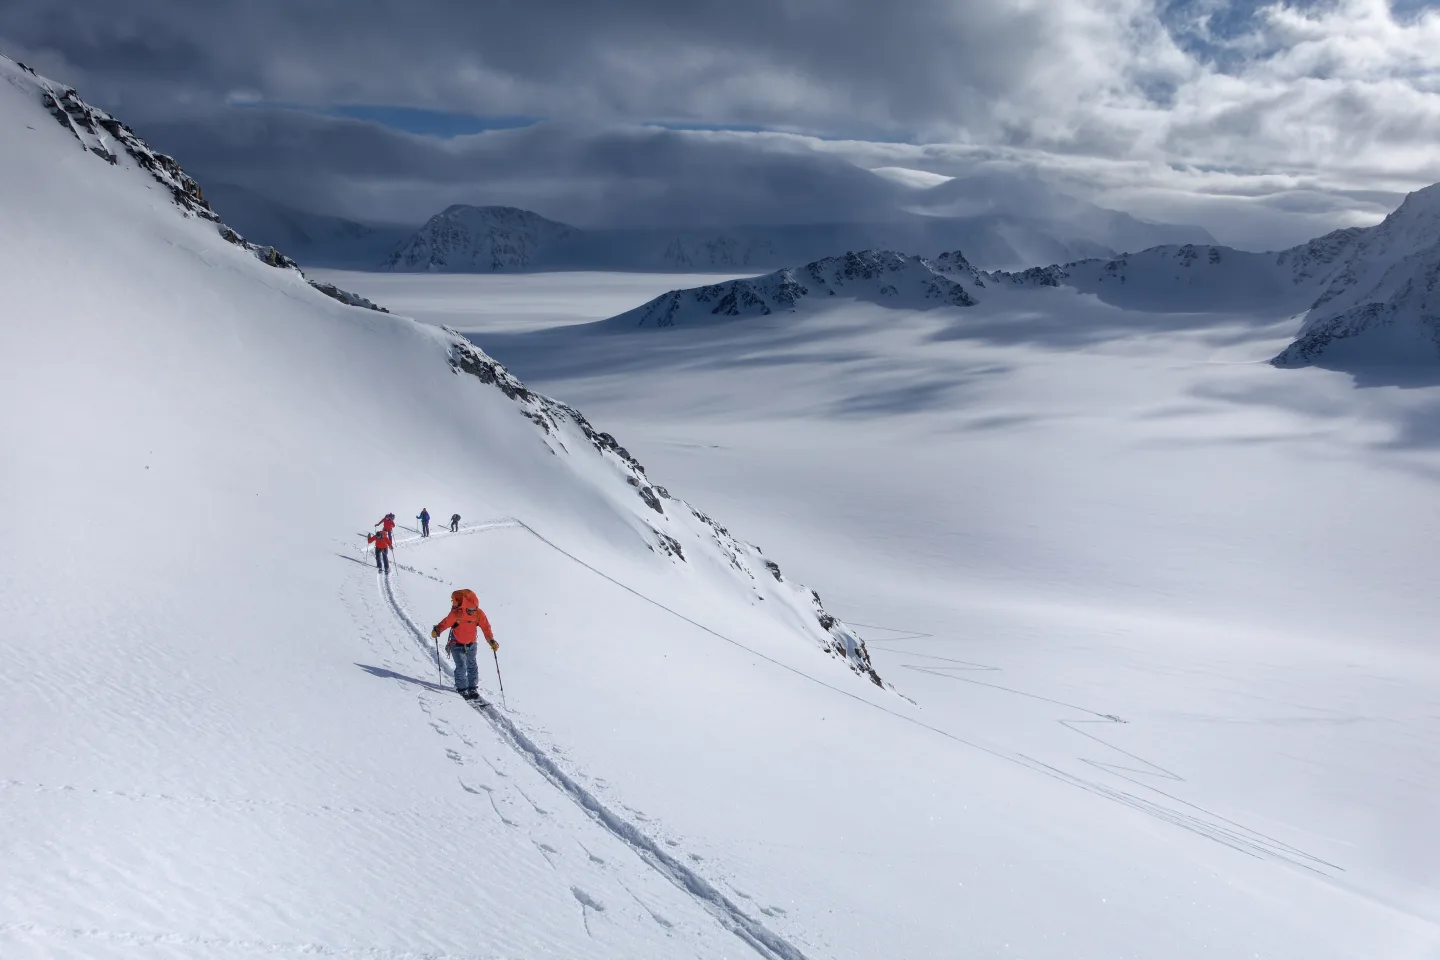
[102, 135]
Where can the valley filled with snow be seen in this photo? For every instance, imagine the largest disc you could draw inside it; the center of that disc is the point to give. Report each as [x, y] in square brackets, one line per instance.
[1037, 622]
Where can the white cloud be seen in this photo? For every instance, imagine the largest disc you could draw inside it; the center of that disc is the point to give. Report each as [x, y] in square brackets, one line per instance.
[910, 177]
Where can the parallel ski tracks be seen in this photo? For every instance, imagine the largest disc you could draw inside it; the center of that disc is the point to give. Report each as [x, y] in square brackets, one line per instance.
[726, 912]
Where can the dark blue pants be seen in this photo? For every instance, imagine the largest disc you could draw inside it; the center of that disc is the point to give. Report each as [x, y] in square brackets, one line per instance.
[382, 559]
[424, 526]
[467, 675]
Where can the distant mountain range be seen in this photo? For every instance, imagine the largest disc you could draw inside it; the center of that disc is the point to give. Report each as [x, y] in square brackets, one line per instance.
[1368, 295]
[894, 279]
[994, 233]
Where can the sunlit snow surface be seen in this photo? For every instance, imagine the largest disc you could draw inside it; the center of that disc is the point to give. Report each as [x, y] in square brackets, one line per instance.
[1163, 617]
[1054, 513]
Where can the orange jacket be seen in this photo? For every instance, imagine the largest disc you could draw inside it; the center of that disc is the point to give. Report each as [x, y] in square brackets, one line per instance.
[465, 617]
[381, 540]
[386, 522]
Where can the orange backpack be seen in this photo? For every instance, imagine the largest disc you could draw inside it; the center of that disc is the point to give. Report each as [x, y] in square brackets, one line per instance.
[466, 602]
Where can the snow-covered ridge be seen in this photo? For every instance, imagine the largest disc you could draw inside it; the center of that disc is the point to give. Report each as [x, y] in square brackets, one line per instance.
[1382, 304]
[108, 139]
[1368, 295]
[561, 423]
[884, 276]
[1196, 277]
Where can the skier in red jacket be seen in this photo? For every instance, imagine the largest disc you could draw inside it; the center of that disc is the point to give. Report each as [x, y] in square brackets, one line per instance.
[382, 544]
[464, 620]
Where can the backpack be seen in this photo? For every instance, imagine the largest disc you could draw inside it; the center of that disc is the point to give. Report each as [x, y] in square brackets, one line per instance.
[466, 602]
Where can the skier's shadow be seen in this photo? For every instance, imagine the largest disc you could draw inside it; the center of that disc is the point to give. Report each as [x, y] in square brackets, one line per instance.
[385, 674]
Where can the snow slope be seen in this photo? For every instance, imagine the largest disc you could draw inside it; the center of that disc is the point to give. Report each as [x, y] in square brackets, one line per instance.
[1048, 513]
[216, 741]
[224, 736]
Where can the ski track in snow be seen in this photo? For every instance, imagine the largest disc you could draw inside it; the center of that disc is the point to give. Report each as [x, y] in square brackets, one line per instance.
[1184, 814]
[1169, 808]
[1201, 821]
[764, 941]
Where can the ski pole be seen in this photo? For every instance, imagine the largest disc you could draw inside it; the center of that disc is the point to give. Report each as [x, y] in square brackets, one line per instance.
[501, 680]
[439, 677]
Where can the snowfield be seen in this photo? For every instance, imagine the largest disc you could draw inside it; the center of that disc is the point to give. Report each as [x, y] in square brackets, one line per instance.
[1152, 619]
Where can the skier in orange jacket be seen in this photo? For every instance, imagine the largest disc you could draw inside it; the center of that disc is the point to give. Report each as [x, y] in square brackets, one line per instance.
[382, 544]
[465, 619]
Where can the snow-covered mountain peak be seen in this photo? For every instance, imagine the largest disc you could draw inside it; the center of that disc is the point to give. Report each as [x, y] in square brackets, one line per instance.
[878, 276]
[1422, 204]
[467, 238]
[495, 213]
[1382, 305]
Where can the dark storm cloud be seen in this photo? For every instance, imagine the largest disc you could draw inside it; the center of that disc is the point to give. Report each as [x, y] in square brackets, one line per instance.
[1179, 103]
[578, 173]
[838, 65]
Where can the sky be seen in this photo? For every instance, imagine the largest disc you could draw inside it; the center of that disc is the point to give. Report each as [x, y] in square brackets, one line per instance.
[1264, 123]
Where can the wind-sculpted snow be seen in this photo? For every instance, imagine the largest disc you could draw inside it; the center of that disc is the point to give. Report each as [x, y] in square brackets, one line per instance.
[567, 433]
[886, 277]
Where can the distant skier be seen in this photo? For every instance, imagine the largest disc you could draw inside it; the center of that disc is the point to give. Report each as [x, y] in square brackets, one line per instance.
[464, 619]
[424, 517]
[382, 542]
[454, 523]
[387, 523]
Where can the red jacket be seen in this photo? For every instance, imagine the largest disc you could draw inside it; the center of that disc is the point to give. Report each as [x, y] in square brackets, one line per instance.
[465, 617]
[381, 539]
[387, 522]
